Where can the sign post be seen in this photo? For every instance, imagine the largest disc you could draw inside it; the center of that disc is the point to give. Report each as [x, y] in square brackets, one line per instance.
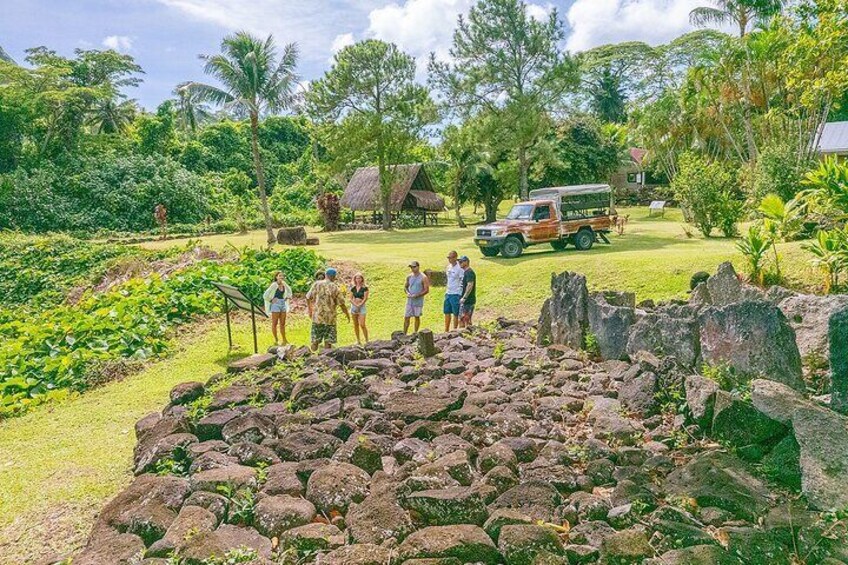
[235, 297]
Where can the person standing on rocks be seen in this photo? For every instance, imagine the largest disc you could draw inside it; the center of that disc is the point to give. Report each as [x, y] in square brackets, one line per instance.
[469, 292]
[417, 286]
[277, 297]
[326, 297]
[453, 292]
[358, 297]
[319, 276]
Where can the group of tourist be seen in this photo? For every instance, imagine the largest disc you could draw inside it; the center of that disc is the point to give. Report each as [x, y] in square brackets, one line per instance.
[326, 297]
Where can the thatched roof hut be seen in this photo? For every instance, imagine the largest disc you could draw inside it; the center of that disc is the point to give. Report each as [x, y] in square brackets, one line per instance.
[412, 191]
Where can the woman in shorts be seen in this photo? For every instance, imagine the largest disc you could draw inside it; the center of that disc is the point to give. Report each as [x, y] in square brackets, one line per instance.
[358, 298]
[277, 298]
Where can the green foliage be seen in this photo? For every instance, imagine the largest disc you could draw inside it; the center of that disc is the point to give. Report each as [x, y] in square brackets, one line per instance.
[591, 346]
[754, 245]
[830, 255]
[56, 349]
[39, 271]
[827, 194]
[108, 192]
[241, 504]
[177, 464]
[706, 192]
[778, 171]
[581, 153]
[722, 374]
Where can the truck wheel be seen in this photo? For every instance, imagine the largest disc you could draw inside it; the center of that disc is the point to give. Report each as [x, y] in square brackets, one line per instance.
[584, 239]
[489, 251]
[512, 248]
[559, 244]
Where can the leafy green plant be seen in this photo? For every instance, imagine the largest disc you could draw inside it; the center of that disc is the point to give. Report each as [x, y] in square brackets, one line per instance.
[591, 345]
[722, 374]
[53, 350]
[177, 464]
[707, 195]
[241, 504]
[754, 245]
[830, 255]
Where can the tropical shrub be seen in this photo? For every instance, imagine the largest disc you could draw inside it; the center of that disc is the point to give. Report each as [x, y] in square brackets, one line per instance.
[830, 255]
[54, 350]
[116, 193]
[827, 192]
[778, 170]
[754, 246]
[706, 192]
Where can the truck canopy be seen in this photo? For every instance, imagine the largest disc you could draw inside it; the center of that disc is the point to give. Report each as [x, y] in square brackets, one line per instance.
[577, 201]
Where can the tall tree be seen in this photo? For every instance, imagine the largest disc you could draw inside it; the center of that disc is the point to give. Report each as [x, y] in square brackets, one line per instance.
[505, 62]
[370, 107]
[742, 13]
[255, 80]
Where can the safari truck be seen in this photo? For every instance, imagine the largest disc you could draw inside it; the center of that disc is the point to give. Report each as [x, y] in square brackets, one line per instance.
[576, 215]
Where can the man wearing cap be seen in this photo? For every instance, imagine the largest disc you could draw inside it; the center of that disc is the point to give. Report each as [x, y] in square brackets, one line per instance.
[453, 275]
[469, 292]
[326, 298]
[417, 286]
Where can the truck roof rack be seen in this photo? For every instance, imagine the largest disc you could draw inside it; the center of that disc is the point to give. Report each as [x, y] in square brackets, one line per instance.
[570, 190]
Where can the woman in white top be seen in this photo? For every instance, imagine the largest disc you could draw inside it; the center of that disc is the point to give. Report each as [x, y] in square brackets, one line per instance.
[277, 304]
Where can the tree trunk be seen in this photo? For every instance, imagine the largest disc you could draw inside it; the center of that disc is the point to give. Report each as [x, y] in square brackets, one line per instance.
[523, 166]
[456, 205]
[385, 186]
[260, 177]
[491, 206]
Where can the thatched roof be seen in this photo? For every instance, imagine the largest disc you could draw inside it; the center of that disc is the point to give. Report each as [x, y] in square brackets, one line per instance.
[412, 190]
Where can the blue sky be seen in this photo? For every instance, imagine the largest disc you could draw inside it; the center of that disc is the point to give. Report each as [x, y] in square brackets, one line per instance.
[165, 36]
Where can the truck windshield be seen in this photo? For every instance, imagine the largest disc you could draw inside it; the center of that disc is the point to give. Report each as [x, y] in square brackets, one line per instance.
[520, 212]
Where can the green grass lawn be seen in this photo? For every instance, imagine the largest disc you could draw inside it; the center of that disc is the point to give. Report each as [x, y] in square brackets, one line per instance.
[60, 463]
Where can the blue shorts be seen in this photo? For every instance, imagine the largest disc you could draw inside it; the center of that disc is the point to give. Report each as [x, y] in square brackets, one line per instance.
[359, 310]
[451, 304]
[279, 307]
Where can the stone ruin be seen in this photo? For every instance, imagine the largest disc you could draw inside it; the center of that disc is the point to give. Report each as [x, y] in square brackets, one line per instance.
[510, 444]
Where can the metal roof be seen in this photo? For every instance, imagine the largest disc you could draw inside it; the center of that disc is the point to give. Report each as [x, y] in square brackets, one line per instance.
[570, 190]
[834, 138]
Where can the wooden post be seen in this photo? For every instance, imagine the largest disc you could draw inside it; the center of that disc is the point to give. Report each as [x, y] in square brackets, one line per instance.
[426, 346]
[253, 321]
[227, 312]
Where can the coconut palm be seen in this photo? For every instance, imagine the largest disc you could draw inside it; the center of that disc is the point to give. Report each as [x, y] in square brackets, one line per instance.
[190, 106]
[112, 116]
[467, 160]
[743, 13]
[255, 81]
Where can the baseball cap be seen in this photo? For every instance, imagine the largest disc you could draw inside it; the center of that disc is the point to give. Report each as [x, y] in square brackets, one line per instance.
[464, 259]
[331, 272]
[414, 264]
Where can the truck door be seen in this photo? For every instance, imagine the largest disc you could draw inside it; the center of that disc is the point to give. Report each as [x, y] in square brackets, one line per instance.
[546, 225]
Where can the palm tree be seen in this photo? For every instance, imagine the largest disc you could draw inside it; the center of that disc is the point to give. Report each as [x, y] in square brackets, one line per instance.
[190, 107]
[255, 81]
[467, 161]
[112, 116]
[740, 12]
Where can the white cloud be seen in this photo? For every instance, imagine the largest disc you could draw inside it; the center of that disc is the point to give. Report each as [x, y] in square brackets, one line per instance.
[539, 13]
[341, 41]
[120, 43]
[597, 22]
[311, 24]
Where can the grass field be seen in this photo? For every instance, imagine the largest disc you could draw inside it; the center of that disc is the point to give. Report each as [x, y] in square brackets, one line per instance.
[60, 463]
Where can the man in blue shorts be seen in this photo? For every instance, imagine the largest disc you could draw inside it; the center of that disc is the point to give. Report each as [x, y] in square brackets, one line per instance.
[453, 275]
